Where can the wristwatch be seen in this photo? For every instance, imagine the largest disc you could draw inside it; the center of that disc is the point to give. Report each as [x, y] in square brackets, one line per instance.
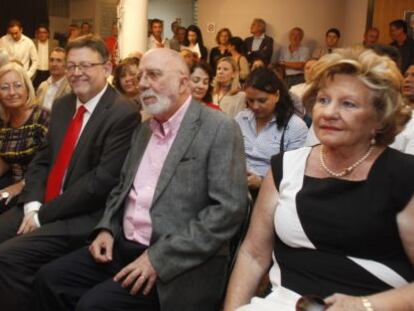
[5, 195]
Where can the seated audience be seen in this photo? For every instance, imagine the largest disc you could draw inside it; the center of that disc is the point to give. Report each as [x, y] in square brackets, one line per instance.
[20, 47]
[236, 50]
[56, 85]
[23, 128]
[371, 37]
[221, 50]
[404, 43]
[259, 45]
[201, 78]
[338, 216]
[156, 39]
[70, 178]
[227, 92]
[332, 37]
[269, 125]
[294, 56]
[163, 242]
[194, 42]
[404, 141]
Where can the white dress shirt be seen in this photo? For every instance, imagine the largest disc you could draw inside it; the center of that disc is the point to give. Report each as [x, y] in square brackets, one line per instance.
[43, 55]
[23, 50]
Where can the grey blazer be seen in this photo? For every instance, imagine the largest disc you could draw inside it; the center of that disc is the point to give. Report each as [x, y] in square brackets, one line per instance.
[199, 203]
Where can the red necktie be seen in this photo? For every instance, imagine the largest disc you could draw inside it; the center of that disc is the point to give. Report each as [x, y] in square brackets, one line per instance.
[55, 179]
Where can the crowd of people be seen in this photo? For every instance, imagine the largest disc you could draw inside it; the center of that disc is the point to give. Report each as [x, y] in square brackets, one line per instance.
[134, 184]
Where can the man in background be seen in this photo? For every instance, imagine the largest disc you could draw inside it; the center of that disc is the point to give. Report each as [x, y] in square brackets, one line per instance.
[156, 39]
[259, 45]
[404, 44]
[20, 47]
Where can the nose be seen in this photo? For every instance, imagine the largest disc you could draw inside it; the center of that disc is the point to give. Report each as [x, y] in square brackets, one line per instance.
[143, 82]
[331, 111]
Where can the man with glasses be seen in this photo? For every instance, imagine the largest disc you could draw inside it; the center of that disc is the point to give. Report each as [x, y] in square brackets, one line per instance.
[69, 179]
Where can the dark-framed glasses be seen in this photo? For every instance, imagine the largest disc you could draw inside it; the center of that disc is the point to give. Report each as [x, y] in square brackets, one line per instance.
[310, 303]
[83, 67]
[6, 87]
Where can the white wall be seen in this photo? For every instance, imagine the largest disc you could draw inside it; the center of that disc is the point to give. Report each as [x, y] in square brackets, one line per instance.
[169, 10]
[314, 16]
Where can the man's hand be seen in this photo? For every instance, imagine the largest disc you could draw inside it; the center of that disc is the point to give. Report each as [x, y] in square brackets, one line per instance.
[11, 191]
[136, 274]
[101, 247]
[28, 224]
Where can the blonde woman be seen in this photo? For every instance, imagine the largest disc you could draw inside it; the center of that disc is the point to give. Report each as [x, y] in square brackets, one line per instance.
[23, 128]
[227, 93]
[339, 216]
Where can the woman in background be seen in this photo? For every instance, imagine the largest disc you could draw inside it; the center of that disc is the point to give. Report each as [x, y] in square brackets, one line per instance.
[221, 50]
[227, 93]
[194, 42]
[236, 49]
[200, 82]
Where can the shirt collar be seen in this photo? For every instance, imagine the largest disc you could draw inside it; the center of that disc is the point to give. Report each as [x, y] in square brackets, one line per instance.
[259, 37]
[250, 117]
[57, 83]
[171, 126]
[91, 104]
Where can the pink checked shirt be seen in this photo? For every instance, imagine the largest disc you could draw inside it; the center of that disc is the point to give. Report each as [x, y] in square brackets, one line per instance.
[137, 220]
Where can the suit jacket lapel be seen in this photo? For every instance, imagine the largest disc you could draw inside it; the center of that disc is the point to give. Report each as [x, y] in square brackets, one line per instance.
[95, 119]
[186, 133]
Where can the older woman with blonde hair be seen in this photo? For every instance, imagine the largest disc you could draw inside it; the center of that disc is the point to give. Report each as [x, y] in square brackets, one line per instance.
[23, 128]
[339, 216]
[227, 92]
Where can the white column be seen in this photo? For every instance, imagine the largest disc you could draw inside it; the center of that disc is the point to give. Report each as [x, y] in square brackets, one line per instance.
[132, 25]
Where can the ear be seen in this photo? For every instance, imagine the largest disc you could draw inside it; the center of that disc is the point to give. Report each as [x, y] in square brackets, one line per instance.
[184, 84]
[277, 96]
[108, 68]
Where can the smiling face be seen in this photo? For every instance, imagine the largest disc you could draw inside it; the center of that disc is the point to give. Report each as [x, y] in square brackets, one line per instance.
[261, 103]
[343, 114]
[199, 83]
[13, 91]
[225, 73]
[88, 83]
[129, 81]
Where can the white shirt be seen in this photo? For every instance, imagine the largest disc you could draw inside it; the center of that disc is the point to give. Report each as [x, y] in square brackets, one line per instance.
[257, 41]
[50, 94]
[23, 50]
[43, 55]
[154, 43]
[90, 106]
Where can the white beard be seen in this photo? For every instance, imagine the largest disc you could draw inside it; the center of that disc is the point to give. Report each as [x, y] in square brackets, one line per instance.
[162, 105]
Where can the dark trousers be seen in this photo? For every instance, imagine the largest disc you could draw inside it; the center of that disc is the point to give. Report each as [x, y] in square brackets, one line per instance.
[41, 75]
[77, 282]
[22, 256]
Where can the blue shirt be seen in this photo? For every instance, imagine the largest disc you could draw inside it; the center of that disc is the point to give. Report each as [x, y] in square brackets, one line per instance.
[259, 148]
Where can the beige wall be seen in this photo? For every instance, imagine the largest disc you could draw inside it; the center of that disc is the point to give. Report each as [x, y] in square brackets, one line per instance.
[314, 16]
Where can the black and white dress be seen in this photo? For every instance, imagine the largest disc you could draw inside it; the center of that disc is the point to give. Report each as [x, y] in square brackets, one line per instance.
[335, 235]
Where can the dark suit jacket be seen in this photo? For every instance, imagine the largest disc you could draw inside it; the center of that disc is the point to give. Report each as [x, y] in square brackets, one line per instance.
[95, 165]
[198, 205]
[265, 51]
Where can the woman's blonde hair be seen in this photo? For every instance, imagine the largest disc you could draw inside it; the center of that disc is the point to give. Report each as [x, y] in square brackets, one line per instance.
[379, 73]
[235, 83]
[24, 77]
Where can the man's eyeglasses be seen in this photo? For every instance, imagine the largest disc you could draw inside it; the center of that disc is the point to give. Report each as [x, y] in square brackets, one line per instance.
[71, 68]
[310, 303]
[17, 86]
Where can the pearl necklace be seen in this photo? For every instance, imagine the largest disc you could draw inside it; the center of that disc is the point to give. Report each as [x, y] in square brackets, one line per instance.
[347, 170]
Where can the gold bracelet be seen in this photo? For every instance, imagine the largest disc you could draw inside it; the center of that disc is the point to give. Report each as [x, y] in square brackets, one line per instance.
[367, 304]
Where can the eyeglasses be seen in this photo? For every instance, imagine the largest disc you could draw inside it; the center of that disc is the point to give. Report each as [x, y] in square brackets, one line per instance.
[17, 86]
[310, 303]
[83, 67]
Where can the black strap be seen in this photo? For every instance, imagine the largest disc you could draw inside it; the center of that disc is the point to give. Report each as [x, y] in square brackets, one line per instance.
[282, 141]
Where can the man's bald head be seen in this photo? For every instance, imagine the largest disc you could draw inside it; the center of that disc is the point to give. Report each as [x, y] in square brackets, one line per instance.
[164, 82]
